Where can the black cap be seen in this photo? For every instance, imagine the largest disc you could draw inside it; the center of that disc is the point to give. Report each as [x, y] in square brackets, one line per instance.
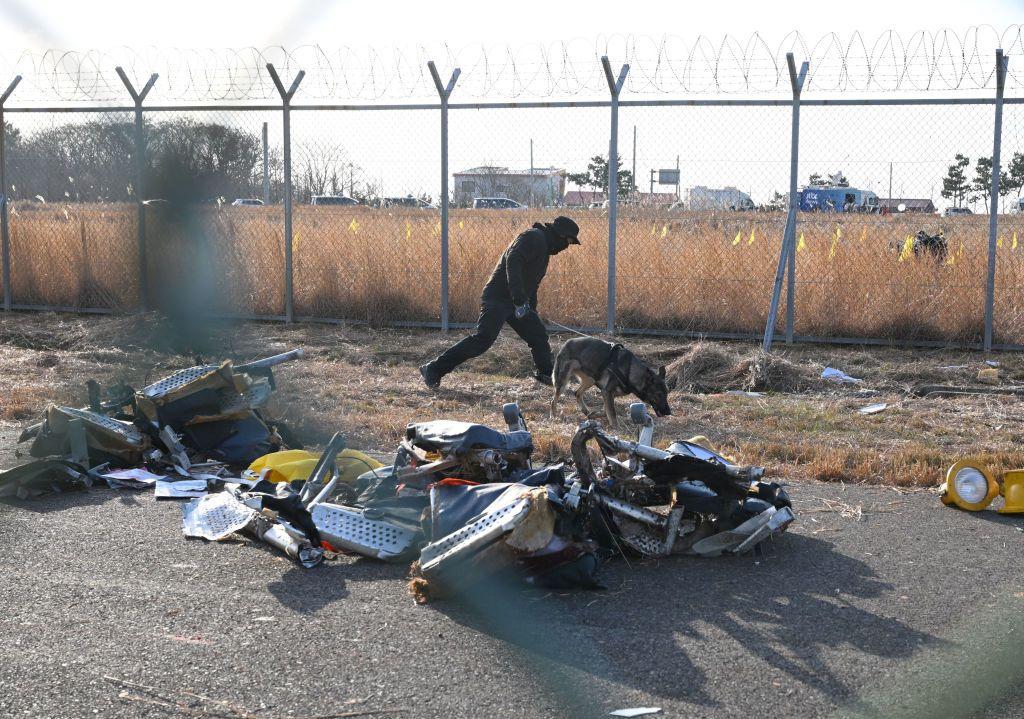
[564, 227]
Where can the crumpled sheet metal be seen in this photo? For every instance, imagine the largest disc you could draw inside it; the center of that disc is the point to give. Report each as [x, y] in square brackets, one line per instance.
[351, 529]
[500, 519]
[276, 535]
[187, 382]
[745, 536]
[43, 476]
[115, 437]
[215, 516]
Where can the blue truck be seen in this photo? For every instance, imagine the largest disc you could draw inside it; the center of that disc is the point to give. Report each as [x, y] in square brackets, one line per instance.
[831, 198]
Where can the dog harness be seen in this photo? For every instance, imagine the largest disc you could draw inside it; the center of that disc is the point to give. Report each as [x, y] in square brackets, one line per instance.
[613, 366]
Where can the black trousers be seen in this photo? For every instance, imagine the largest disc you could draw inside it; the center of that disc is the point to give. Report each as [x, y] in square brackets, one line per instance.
[492, 318]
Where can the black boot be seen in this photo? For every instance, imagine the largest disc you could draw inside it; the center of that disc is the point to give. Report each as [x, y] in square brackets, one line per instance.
[542, 378]
[431, 377]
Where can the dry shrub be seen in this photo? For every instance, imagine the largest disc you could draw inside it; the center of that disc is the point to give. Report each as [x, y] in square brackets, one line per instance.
[709, 368]
[704, 369]
[697, 271]
[913, 464]
[23, 402]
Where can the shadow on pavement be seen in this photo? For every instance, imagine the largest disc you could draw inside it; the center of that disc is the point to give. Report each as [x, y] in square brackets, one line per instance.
[307, 591]
[671, 618]
[68, 500]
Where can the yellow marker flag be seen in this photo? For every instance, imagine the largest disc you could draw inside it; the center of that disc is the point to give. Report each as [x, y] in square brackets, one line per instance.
[832, 249]
[295, 242]
[960, 252]
[737, 240]
[999, 242]
[864, 233]
[353, 225]
[664, 230]
[839, 232]
[908, 249]
[654, 229]
[408, 230]
[801, 245]
[461, 226]
[1014, 245]
[951, 259]
[751, 240]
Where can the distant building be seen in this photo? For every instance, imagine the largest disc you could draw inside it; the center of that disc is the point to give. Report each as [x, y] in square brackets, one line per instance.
[892, 204]
[544, 186]
[583, 198]
[586, 198]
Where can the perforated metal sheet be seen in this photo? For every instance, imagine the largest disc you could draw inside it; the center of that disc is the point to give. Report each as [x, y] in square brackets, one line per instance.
[123, 429]
[639, 537]
[177, 380]
[215, 516]
[474, 536]
[347, 528]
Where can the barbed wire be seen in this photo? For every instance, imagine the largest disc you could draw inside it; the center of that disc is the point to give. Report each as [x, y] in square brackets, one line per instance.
[923, 61]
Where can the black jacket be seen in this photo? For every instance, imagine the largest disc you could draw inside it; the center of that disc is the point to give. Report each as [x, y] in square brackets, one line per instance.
[522, 266]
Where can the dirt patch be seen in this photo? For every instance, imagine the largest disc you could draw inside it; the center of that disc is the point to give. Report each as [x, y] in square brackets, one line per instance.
[709, 368]
[364, 382]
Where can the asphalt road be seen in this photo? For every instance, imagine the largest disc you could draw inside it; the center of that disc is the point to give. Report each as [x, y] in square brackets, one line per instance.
[910, 609]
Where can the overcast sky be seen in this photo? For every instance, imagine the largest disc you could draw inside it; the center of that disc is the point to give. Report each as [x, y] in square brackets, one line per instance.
[202, 23]
[747, 148]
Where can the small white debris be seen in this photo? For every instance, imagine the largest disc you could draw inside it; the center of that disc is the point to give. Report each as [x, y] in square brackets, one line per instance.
[874, 408]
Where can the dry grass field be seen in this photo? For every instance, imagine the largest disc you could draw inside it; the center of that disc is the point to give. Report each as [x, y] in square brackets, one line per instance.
[364, 382]
[704, 272]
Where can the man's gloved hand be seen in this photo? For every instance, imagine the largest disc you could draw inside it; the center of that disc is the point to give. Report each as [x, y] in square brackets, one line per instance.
[522, 311]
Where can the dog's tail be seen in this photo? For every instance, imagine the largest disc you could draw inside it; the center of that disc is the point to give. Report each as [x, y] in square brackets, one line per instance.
[560, 373]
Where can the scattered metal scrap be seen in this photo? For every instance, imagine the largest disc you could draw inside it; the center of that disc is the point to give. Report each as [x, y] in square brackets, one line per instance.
[461, 501]
[942, 390]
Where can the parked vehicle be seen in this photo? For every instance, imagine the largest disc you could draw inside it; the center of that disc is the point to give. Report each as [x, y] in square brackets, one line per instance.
[710, 198]
[956, 211]
[835, 198]
[407, 201]
[332, 200]
[497, 203]
[247, 202]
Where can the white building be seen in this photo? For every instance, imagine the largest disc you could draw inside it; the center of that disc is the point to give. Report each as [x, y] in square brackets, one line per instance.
[544, 186]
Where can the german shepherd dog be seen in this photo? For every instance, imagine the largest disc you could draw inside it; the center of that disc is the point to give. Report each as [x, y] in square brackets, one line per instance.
[614, 369]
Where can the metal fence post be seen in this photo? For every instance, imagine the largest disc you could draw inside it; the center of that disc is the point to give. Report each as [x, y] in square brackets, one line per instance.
[614, 87]
[1002, 64]
[140, 180]
[286, 102]
[787, 253]
[444, 92]
[266, 167]
[4, 232]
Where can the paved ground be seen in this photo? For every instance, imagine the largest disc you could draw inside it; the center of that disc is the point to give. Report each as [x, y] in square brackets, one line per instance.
[912, 609]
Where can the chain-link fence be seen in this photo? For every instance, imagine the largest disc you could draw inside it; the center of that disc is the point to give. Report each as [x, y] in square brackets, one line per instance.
[888, 235]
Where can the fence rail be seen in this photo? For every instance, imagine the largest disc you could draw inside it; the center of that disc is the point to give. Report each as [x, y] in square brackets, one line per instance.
[697, 271]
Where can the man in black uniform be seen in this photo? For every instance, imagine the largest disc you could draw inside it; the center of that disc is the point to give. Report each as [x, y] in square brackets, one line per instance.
[511, 296]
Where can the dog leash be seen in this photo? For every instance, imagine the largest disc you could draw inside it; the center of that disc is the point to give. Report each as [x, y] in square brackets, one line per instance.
[569, 329]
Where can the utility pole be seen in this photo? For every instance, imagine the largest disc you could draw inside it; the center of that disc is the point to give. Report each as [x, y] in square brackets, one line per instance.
[652, 184]
[634, 159]
[531, 172]
[266, 168]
